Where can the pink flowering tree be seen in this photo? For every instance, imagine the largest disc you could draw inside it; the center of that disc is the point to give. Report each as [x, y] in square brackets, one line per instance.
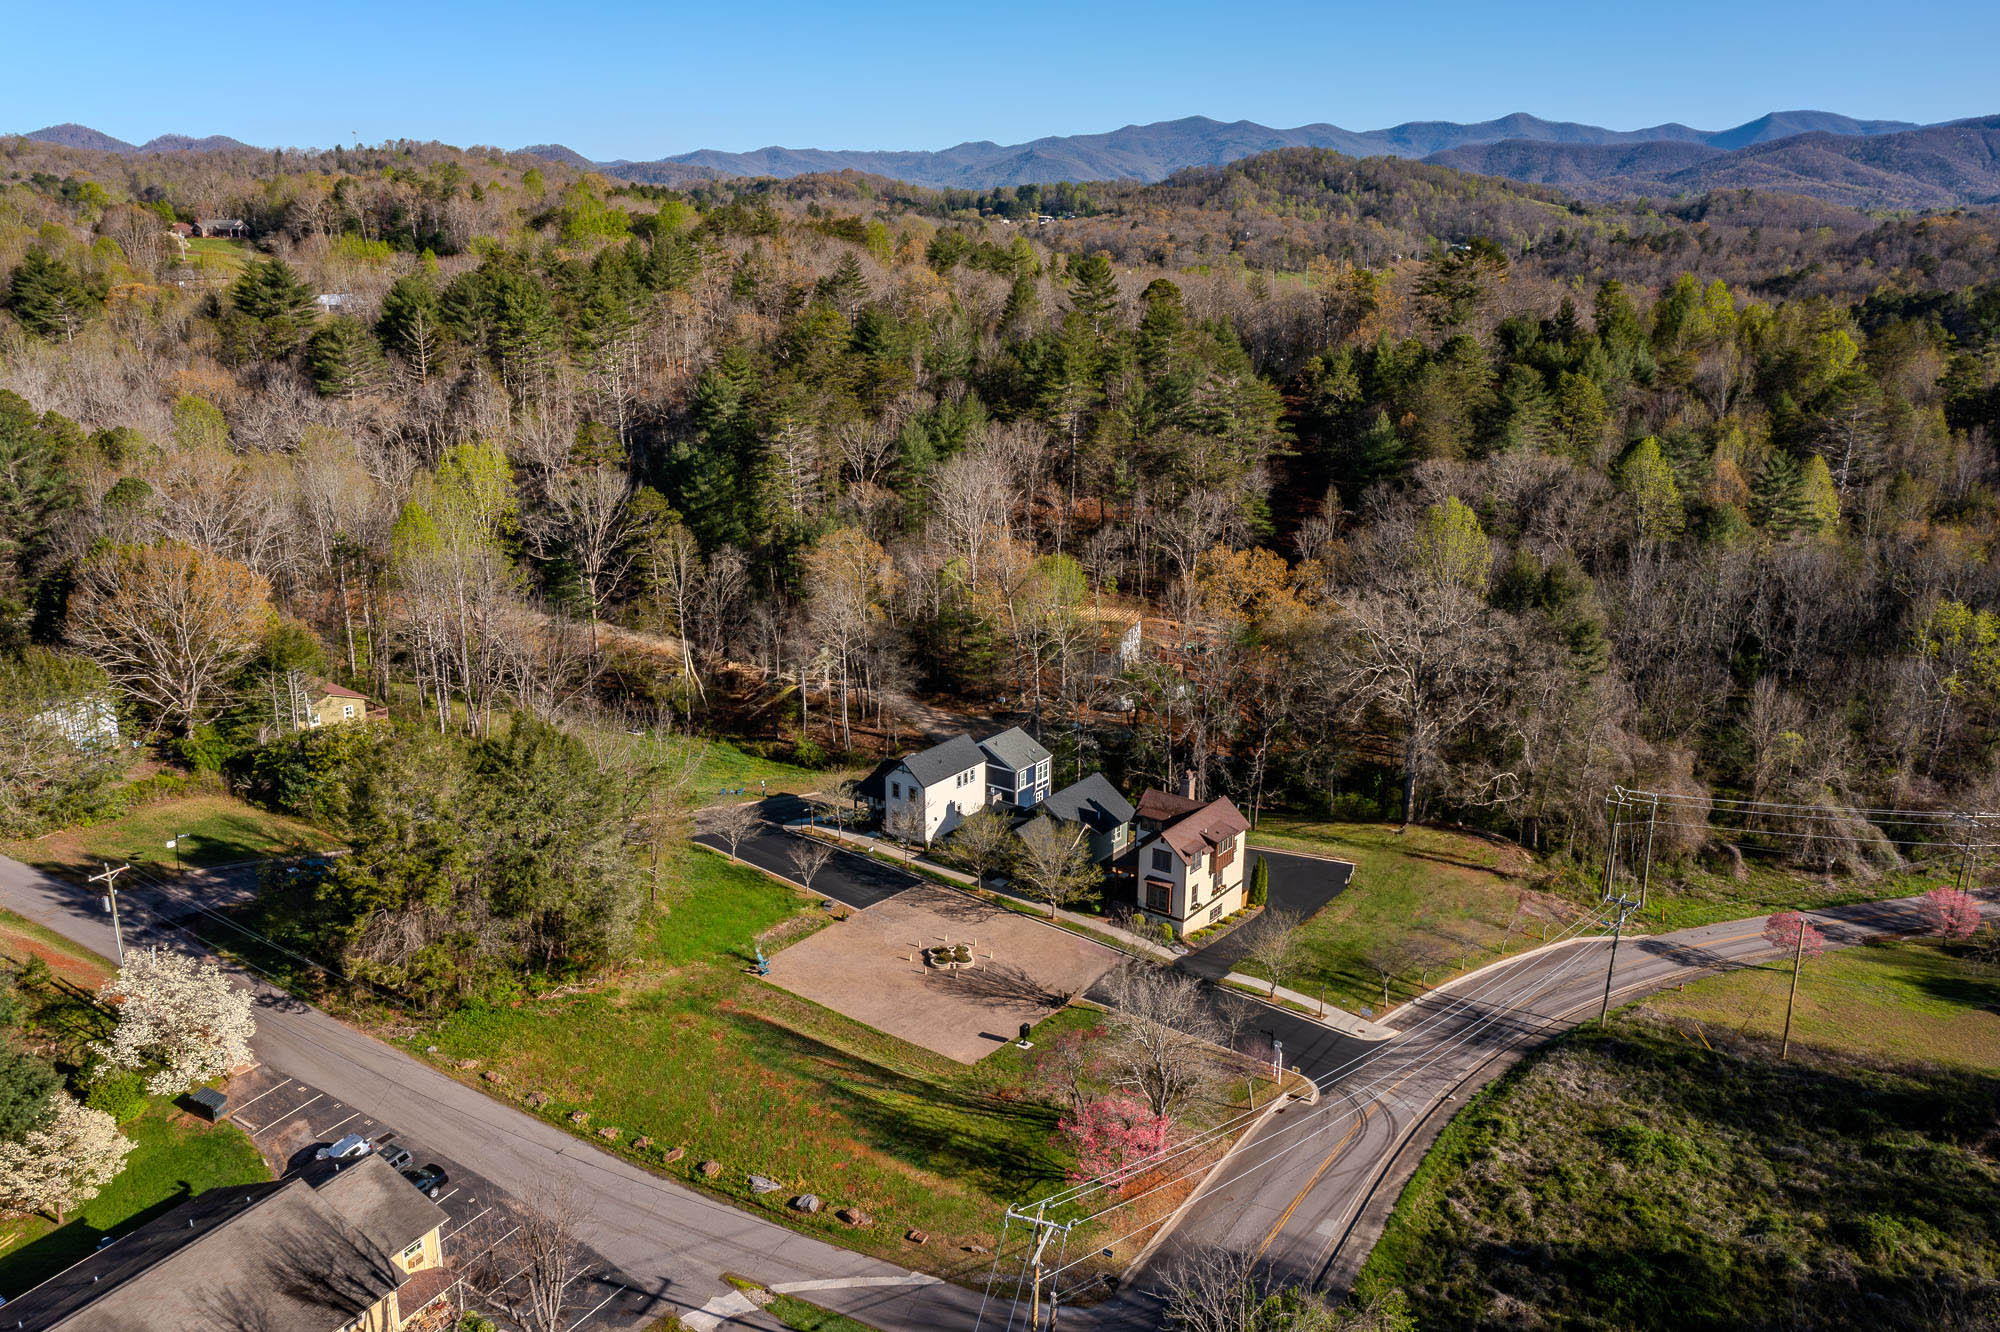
[1951, 913]
[1114, 1136]
[1790, 932]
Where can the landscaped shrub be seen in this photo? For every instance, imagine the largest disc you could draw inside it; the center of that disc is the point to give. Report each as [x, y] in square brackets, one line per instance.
[122, 1095]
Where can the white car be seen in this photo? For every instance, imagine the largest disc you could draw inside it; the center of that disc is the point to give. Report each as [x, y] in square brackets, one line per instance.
[350, 1146]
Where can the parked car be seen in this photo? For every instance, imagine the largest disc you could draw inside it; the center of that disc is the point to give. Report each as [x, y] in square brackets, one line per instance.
[399, 1158]
[430, 1181]
[348, 1147]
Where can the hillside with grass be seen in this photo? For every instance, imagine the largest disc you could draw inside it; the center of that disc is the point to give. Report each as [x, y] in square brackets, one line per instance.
[1670, 1171]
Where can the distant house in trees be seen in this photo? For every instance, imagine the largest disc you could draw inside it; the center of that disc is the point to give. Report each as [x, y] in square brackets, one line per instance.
[339, 1247]
[232, 228]
[1017, 769]
[182, 229]
[1095, 803]
[88, 721]
[329, 704]
[1188, 861]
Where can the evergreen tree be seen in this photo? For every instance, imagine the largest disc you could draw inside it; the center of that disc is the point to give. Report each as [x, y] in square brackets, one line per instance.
[49, 299]
[1093, 292]
[411, 324]
[272, 309]
[343, 358]
[1381, 454]
[1777, 498]
[1023, 300]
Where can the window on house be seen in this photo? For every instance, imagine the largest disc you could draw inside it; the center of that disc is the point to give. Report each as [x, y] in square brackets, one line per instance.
[347, 709]
[1163, 859]
[414, 1254]
[1156, 895]
[895, 790]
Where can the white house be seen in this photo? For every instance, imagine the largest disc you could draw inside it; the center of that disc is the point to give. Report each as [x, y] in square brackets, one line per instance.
[1188, 863]
[927, 794]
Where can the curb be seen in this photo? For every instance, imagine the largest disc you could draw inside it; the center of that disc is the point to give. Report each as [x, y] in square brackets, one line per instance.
[1137, 1266]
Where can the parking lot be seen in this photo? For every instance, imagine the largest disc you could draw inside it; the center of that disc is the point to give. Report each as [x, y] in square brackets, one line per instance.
[290, 1120]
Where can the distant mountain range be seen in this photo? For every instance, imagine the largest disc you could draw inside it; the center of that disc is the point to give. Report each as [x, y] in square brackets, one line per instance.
[1152, 152]
[83, 136]
[1862, 163]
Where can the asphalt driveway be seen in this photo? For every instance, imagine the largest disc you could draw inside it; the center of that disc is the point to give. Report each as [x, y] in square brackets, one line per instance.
[1300, 884]
[850, 878]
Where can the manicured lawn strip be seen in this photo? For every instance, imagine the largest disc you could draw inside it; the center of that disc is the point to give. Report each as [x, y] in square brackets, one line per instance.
[1652, 1175]
[214, 830]
[796, 1313]
[174, 1158]
[1445, 899]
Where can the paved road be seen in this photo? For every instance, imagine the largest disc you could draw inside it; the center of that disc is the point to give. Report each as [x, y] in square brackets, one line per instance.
[1311, 1192]
[668, 1241]
[850, 877]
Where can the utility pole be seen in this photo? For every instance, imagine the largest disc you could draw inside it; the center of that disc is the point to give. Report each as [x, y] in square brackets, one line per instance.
[110, 880]
[1798, 957]
[1646, 873]
[1045, 1230]
[1625, 905]
[1612, 804]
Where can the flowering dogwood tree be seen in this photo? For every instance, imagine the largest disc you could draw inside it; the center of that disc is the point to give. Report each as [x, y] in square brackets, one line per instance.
[178, 1013]
[1951, 913]
[64, 1163]
[1113, 1137]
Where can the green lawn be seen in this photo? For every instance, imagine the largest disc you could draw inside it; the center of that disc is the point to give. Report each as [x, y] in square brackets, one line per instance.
[174, 1157]
[1907, 1002]
[1425, 902]
[692, 1051]
[1669, 1172]
[727, 766]
[211, 830]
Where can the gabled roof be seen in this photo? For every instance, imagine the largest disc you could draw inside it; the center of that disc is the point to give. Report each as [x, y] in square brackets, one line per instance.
[953, 756]
[328, 689]
[1014, 748]
[1093, 802]
[1164, 806]
[1203, 829]
[875, 786]
[279, 1257]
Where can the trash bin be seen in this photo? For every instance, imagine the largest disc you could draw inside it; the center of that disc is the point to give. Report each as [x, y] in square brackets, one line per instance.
[209, 1103]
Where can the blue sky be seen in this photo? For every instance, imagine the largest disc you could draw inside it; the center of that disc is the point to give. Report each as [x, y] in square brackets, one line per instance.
[629, 79]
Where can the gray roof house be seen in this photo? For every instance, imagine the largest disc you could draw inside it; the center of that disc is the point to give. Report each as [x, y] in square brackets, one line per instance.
[347, 1245]
[926, 794]
[1017, 769]
[1096, 804]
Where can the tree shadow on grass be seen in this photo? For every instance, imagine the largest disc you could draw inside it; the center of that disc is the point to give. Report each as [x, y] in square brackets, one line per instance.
[73, 1242]
[945, 1127]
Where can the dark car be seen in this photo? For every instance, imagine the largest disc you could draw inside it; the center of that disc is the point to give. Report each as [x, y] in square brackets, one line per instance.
[430, 1180]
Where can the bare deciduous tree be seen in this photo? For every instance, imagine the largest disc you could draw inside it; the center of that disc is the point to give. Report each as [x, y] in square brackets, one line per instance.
[1052, 863]
[734, 823]
[549, 1247]
[809, 856]
[1276, 944]
[1164, 1032]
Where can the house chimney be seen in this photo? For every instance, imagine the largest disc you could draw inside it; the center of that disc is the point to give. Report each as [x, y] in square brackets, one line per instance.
[1187, 784]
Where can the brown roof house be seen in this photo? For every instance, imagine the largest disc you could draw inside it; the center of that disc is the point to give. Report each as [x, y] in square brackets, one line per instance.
[1188, 859]
[347, 1247]
[329, 704]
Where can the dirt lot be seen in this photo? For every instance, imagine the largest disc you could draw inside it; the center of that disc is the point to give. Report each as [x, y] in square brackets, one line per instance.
[871, 968]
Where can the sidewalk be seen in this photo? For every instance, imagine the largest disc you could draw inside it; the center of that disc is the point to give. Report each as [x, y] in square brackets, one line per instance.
[1308, 1008]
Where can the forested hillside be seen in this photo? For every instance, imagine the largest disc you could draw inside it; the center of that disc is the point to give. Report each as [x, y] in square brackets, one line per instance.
[1449, 496]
